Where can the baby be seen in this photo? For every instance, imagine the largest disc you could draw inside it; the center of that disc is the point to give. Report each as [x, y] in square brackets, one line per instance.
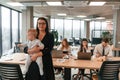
[32, 42]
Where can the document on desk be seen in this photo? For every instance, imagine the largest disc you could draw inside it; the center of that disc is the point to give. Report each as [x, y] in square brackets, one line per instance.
[6, 58]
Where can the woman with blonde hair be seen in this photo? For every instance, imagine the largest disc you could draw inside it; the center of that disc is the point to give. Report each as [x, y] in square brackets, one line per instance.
[64, 46]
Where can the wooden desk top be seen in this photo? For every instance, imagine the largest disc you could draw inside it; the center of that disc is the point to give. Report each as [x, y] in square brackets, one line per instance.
[68, 63]
[116, 49]
[71, 63]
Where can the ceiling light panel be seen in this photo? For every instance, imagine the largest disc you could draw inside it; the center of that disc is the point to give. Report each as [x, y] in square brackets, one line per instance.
[97, 3]
[15, 4]
[54, 3]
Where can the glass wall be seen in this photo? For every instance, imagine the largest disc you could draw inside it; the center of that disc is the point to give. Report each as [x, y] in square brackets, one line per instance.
[5, 21]
[14, 27]
[76, 28]
[35, 22]
[10, 28]
[69, 28]
[97, 27]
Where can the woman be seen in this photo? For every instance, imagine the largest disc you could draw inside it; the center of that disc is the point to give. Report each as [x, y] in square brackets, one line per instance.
[83, 48]
[48, 40]
[64, 46]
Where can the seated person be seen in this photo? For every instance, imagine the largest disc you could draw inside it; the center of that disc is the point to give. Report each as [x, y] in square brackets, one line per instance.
[83, 48]
[32, 42]
[64, 46]
[103, 49]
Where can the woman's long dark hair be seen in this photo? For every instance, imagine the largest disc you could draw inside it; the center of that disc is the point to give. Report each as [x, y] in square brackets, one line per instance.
[81, 46]
[47, 28]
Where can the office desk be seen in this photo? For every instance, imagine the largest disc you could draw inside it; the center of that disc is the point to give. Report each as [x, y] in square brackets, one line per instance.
[66, 63]
[116, 50]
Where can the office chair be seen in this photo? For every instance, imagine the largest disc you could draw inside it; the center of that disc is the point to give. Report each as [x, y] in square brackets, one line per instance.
[10, 72]
[109, 70]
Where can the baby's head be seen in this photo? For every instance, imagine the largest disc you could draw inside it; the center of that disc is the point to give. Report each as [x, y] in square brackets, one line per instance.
[31, 34]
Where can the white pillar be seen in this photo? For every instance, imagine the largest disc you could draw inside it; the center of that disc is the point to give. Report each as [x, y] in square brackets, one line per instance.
[27, 21]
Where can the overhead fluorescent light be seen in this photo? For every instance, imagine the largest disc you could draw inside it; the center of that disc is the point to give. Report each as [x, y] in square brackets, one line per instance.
[100, 18]
[69, 18]
[97, 3]
[15, 4]
[87, 19]
[81, 16]
[54, 3]
[61, 14]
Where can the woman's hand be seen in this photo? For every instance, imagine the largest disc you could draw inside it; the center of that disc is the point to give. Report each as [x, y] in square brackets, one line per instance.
[34, 56]
[33, 50]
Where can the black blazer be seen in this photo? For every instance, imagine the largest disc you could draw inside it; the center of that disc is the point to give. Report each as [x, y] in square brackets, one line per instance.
[33, 71]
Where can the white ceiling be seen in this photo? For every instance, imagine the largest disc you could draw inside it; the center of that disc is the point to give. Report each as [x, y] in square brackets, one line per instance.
[72, 8]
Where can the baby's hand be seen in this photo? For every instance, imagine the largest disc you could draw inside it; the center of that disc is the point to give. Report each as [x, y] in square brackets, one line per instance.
[29, 51]
[19, 45]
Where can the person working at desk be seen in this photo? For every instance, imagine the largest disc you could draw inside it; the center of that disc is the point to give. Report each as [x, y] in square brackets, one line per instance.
[102, 49]
[83, 48]
[64, 46]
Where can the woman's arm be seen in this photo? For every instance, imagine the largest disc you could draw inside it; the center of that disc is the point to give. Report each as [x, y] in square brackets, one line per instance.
[34, 56]
[50, 43]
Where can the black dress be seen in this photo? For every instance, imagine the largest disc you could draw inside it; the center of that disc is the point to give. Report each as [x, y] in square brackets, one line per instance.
[33, 71]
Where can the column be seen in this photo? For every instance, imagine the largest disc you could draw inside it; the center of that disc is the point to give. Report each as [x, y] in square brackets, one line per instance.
[49, 21]
[116, 26]
[27, 21]
[87, 29]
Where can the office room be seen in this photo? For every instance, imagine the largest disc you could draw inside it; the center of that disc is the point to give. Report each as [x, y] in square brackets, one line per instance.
[59, 40]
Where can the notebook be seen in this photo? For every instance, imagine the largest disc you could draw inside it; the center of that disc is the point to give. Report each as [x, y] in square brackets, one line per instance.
[84, 55]
[57, 53]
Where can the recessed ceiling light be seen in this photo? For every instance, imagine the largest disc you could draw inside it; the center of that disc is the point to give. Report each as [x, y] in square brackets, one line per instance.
[97, 3]
[61, 14]
[15, 4]
[81, 16]
[54, 3]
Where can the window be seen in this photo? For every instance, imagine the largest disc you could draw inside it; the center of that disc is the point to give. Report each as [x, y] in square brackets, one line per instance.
[82, 30]
[14, 27]
[35, 21]
[10, 25]
[67, 29]
[59, 27]
[97, 27]
[20, 26]
[76, 28]
[5, 13]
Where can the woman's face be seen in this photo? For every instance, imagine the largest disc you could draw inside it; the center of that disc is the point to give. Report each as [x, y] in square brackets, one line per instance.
[41, 25]
[64, 43]
[84, 43]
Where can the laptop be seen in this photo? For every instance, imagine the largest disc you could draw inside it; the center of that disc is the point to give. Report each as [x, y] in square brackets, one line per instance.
[84, 55]
[57, 54]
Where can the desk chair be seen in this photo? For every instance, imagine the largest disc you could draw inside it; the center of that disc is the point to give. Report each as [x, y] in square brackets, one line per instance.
[109, 70]
[79, 75]
[10, 72]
